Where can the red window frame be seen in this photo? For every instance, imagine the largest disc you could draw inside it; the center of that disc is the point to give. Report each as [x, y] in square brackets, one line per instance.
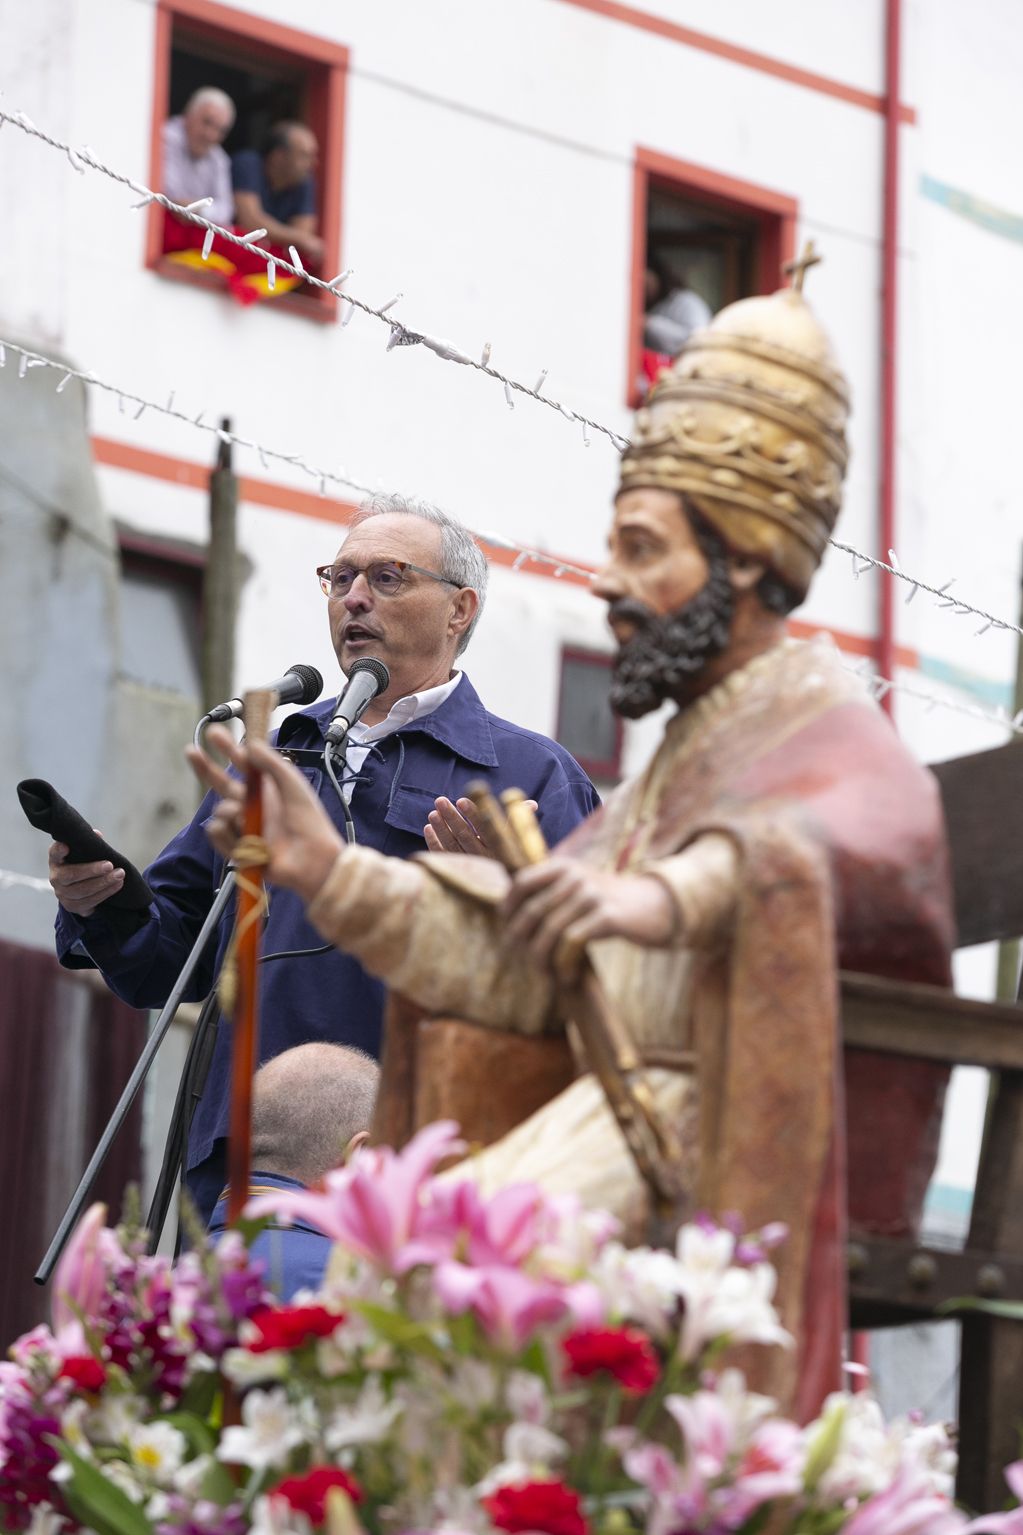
[327, 63]
[775, 214]
[607, 768]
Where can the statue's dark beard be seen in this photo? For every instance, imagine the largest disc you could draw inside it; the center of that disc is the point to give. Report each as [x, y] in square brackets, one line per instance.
[665, 655]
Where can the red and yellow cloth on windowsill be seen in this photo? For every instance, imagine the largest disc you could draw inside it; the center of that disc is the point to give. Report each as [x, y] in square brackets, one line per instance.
[243, 270]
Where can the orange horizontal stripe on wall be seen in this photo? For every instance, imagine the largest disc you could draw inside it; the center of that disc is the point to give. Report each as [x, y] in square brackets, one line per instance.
[182, 471]
[631, 16]
[286, 498]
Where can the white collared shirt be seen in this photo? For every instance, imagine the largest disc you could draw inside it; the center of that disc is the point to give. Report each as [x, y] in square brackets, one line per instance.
[414, 707]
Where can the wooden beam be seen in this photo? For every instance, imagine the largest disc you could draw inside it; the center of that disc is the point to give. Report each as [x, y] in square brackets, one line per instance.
[898, 1280]
[929, 1023]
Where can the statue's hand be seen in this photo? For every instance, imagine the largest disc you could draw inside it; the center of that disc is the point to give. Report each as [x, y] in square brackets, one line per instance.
[301, 839]
[456, 828]
[562, 902]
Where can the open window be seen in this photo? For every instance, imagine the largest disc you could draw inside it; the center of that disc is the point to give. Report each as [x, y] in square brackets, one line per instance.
[272, 74]
[587, 726]
[700, 241]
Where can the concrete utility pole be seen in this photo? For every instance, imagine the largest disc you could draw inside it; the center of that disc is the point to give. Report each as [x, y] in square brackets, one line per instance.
[220, 581]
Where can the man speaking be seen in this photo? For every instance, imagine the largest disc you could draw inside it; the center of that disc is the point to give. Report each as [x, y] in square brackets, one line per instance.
[407, 588]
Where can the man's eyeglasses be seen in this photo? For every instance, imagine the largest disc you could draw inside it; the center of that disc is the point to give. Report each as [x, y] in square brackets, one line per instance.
[386, 577]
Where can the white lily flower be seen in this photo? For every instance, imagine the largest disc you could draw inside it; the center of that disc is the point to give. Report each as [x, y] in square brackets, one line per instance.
[367, 1420]
[275, 1516]
[189, 1478]
[117, 1472]
[532, 1445]
[157, 1450]
[929, 1447]
[45, 1520]
[243, 1368]
[270, 1429]
[732, 1302]
[115, 1417]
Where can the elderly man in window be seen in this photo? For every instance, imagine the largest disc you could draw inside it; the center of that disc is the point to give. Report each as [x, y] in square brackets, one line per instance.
[194, 164]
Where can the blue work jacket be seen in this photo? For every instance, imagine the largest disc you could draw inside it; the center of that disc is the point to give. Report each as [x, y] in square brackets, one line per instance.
[323, 996]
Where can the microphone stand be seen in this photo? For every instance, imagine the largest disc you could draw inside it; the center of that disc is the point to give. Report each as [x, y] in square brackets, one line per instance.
[135, 1081]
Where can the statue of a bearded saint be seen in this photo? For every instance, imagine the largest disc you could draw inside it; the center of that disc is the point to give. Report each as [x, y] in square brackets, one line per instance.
[780, 832]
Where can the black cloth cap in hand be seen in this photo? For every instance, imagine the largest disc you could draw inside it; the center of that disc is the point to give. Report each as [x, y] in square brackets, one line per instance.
[50, 812]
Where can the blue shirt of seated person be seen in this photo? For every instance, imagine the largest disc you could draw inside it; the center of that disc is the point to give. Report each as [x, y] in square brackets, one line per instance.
[311, 1110]
[295, 1256]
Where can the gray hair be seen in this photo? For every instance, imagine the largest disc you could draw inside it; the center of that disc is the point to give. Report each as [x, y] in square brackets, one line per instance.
[214, 96]
[307, 1103]
[461, 558]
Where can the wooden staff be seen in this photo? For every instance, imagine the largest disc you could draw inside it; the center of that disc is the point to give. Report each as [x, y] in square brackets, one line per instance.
[514, 831]
[249, 858]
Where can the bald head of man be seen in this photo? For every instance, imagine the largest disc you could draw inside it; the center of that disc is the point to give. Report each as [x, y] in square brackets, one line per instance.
[311, 1107]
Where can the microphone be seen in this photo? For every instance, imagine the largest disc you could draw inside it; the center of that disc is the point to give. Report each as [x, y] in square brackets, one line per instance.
[299, 685]
[367, 678]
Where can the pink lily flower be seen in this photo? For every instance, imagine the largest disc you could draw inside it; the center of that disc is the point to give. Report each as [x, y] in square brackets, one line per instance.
[506, 1228]
[1010, 1523]
[708, 1431]
[509, 1304]
[81, 1275]
[771, 1467]
[908, 1507]
[375, 1207]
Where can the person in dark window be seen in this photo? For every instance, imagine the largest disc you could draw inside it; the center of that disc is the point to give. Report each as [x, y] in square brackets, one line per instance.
[311, 1110]
[673, 309]
[194, 164]
[276, 191]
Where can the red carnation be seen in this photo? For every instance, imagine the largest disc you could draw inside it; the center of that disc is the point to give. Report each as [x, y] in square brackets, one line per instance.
[87, 1373]
[624, 1352]
[291, 1326]
[308, 1493]
[546, 1508]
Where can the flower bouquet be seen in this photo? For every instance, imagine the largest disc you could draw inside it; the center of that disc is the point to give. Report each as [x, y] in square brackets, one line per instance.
[470, 1365]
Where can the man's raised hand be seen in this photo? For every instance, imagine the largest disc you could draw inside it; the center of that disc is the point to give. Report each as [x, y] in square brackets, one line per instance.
[302, 842]
[456, 828]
